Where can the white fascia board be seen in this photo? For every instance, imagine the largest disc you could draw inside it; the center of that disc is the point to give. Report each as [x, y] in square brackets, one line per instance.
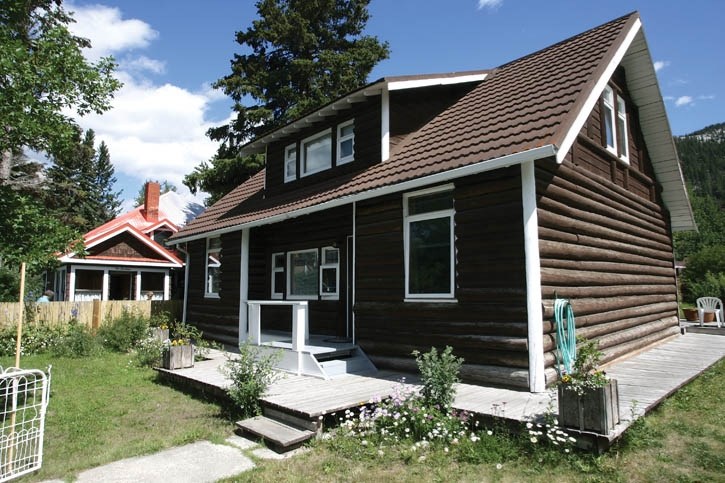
[118, 263]
[596, 92]
[471, 169]
[162, 222]
[435, 81]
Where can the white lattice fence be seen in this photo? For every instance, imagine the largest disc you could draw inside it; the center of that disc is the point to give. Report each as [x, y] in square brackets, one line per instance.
[23, 400]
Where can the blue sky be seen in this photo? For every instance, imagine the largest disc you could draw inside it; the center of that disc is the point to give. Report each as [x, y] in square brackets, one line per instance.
[170, 51]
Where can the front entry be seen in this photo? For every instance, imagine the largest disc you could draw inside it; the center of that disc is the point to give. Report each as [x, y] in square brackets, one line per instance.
[120, 286]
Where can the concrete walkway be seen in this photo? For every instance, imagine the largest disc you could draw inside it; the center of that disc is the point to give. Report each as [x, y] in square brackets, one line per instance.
[198, 462]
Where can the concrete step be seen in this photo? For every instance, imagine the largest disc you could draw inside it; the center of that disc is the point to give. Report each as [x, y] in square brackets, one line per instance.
[281, 435]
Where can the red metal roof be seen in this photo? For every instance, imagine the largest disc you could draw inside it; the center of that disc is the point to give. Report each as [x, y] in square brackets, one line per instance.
[520, 106]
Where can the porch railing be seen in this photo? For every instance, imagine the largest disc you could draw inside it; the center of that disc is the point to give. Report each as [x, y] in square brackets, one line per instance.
[300, 326]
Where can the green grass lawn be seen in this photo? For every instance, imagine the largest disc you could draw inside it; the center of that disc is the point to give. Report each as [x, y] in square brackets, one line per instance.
[102, 409]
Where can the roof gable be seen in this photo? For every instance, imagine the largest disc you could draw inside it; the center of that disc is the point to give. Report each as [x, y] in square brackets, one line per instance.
[527, 109]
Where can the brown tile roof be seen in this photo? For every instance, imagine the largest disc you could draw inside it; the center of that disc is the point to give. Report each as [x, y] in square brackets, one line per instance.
[525, 104]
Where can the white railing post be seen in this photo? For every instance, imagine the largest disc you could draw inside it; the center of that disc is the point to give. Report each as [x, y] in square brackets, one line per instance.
[255, 332]
[300, 330]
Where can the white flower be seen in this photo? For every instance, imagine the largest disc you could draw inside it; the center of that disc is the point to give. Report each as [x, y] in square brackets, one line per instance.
[529, 425]
[566, 450]
[445, 449]
[489, 432]
[364, 442]
[533, 439]
[499, 466]
[380, 452]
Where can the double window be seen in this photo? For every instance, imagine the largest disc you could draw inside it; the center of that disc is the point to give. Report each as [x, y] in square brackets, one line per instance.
[213, 266]
[429, 244]
[307, 274]
[316, 151]
[614, 114]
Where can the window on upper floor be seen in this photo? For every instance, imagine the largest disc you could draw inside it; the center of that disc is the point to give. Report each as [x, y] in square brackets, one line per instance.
[290, 163]
[614, 129]
[346, 142]
[429, 244]
[213, 266]
[316, 153]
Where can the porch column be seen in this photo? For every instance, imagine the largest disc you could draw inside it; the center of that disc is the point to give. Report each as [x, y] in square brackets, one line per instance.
[244, 287]
[537, 380]
[167, 285]
[186, 284]
[105, 285]
[137, 295]
[72, 284]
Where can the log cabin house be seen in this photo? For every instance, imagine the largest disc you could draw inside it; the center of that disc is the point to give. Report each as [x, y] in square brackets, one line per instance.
[452, 209]
[126, 258]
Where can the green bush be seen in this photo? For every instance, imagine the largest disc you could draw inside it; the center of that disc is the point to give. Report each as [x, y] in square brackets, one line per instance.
[438, 373]
[77, 341]
[123, 333]
[704, 275]
[35, 339]
[251, 374]
[149, 350]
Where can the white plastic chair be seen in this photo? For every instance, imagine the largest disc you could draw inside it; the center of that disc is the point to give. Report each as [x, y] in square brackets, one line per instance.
[709, 304]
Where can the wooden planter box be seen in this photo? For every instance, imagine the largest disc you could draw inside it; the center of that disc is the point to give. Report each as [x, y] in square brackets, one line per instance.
[178, 357]
[160, 334]
[596, 410]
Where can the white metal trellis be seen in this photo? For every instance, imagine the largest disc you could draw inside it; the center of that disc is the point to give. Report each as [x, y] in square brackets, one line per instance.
[24, 397]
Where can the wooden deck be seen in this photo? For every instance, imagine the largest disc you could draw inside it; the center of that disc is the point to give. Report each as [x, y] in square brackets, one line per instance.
[645, 380]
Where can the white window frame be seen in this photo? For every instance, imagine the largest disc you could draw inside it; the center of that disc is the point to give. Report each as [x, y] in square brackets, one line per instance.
[303, 152]
[274, 294]
[622, 144]
[617, 107]
[207, 281]
[341, 139]
[287, 160]
[290, 295]
[407, 220]
[328, 266]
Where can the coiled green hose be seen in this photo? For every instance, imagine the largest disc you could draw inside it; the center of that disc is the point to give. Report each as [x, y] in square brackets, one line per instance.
[565, 335]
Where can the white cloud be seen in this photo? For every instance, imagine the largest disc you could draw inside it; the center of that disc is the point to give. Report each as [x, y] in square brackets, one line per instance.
[141, 64]
[683, 101]
[661, 64]
[490, 4]
[108, 31]
[705, 98]
[153, 131]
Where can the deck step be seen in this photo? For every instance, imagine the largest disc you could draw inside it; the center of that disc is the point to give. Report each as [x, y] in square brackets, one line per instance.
[281, 435]
[358, 364]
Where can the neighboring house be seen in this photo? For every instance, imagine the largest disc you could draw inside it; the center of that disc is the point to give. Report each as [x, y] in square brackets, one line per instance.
[452, 209]
[126, 258]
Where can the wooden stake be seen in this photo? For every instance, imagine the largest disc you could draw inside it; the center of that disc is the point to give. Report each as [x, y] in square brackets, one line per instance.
[20, 319]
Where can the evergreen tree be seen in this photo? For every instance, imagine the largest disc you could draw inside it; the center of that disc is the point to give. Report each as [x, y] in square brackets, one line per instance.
[304, 53]
[80, 184]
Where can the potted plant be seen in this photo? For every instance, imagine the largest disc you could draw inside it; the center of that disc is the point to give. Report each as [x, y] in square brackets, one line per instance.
[178, 354]
[588, 399]
[161, 332]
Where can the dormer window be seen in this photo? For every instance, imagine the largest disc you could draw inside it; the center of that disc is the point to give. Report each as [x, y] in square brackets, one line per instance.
[316, 153]
[290, 163]
[346, 142]
[615, 124]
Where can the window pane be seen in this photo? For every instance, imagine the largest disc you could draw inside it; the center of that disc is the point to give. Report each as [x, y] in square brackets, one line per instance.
[443, 200]
[622, 127]
[318, 155]
[331, 256]
[213, 282]
[346, 148]
[329, 280]
[608, 128]
[279, 260]
[347, 130]
[290, 168]
[303, 273]
[278, 282]
[430, 256]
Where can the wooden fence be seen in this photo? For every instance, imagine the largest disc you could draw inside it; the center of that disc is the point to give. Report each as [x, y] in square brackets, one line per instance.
[92, 313]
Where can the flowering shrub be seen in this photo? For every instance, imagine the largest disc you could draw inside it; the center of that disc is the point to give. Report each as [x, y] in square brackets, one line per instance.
[251, 374]
[586, 374]
[549, 433]
[36, 339]
[438, 372]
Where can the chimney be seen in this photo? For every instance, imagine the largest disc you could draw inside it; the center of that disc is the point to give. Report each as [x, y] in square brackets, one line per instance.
[151, 201]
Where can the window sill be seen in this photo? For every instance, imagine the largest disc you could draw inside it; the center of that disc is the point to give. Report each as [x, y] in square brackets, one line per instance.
[211, 296]
[431, 301]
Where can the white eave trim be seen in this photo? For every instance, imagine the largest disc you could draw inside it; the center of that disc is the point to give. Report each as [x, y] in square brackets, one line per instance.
[596, 93]
[480, 167]
[118, 263]
[435, 81]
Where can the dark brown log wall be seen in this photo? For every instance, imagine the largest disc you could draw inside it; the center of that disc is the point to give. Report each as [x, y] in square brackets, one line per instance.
[317, 230]
[487, 324]
[218, 318]
[608, 249]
